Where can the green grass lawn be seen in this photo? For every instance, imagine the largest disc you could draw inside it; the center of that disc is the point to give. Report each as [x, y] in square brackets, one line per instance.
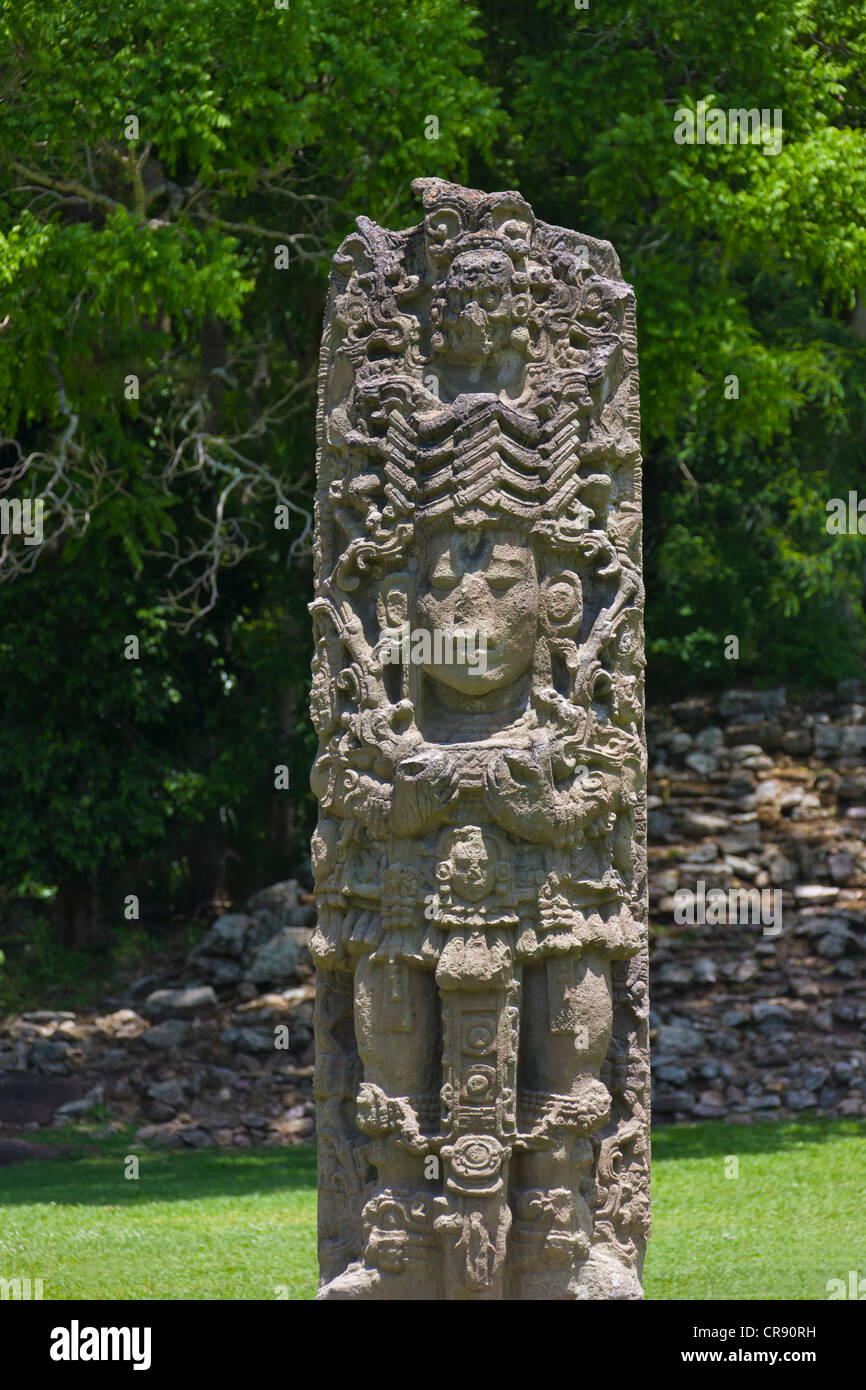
[791, 1220]
[241, 1223]
[216, 1223]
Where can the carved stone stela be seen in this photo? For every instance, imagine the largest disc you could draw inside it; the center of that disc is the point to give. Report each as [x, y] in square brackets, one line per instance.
[481, 1029]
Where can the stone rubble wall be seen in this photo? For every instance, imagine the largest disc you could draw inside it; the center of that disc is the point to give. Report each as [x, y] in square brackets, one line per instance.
[756, 789]
[759, 790]
[188, 1055]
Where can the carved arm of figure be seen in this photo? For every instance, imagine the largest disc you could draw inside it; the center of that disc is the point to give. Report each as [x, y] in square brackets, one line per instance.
[364, 798]
[610, 564]
[589, 806]
[520, 792]
[524, 799]
[426, 787]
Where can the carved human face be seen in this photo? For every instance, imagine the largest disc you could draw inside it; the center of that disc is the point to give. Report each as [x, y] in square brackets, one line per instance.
[472, 869]
[483, 582]
[472, 314]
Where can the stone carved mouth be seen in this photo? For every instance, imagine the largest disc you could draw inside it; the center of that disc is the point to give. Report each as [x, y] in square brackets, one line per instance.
[470, 332]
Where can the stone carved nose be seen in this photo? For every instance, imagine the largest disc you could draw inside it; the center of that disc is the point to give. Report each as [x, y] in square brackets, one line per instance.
[470, 596]
[475, 314]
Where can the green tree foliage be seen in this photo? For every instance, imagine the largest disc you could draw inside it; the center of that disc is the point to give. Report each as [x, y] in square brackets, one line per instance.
[173, 181]
[746, 264]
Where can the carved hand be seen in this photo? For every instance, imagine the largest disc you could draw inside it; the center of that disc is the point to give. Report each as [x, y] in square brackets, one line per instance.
[520, 791]
[425, 787]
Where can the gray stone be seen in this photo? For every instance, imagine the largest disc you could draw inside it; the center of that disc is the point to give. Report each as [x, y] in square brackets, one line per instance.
[49, 1057]
[196, 1138]
[800, 1100]
[251, 1039]
[711, 739]
[848, 1010]
[680, 742]
[697, 824]
[745, 837]
[279, 898]
[831, 946]
[227, 935]
[253, 1121]
[772, 792]
[75, 1108]
[843, 1071]
[164, 1036]
[279, 958]
[771, 1013]
[14, 1058]
[735, 1018]
[675, 1075]
[171, 1093]
[671, 1102]
[766, 733]
[743, 752]
[841, 866]
[752, 702]
[831, 738]
[702, 763]
[797, 742]
[673, 974]
[479, 857]
[659, 824]
[815, 893]
[160, 1134]
[709, 1105]
[179, 1003]
[48, 1016]
[742, 868]
[678, 1037]
[814, 1077]
[219, 970]
[852, 785]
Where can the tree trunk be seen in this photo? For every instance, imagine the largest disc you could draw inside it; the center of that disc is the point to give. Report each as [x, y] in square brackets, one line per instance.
[79, 921]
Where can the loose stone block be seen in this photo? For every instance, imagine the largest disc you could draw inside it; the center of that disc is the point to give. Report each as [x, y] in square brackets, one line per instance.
[482, 1076]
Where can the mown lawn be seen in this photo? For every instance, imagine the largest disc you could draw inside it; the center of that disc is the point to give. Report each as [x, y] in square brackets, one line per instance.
[791, 1220]
[241, 1223]
[216, 1223]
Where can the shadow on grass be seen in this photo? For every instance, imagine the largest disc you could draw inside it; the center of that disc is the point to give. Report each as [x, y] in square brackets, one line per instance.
[173, 1175]
[714, 1138]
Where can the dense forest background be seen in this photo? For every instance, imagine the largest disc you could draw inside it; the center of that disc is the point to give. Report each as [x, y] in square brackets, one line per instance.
[174, 179]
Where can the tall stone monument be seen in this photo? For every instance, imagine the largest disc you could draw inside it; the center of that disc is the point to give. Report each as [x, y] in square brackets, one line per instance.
[481, 1029]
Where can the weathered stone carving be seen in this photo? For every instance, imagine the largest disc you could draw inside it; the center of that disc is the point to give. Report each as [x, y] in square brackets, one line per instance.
[482, 1053]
